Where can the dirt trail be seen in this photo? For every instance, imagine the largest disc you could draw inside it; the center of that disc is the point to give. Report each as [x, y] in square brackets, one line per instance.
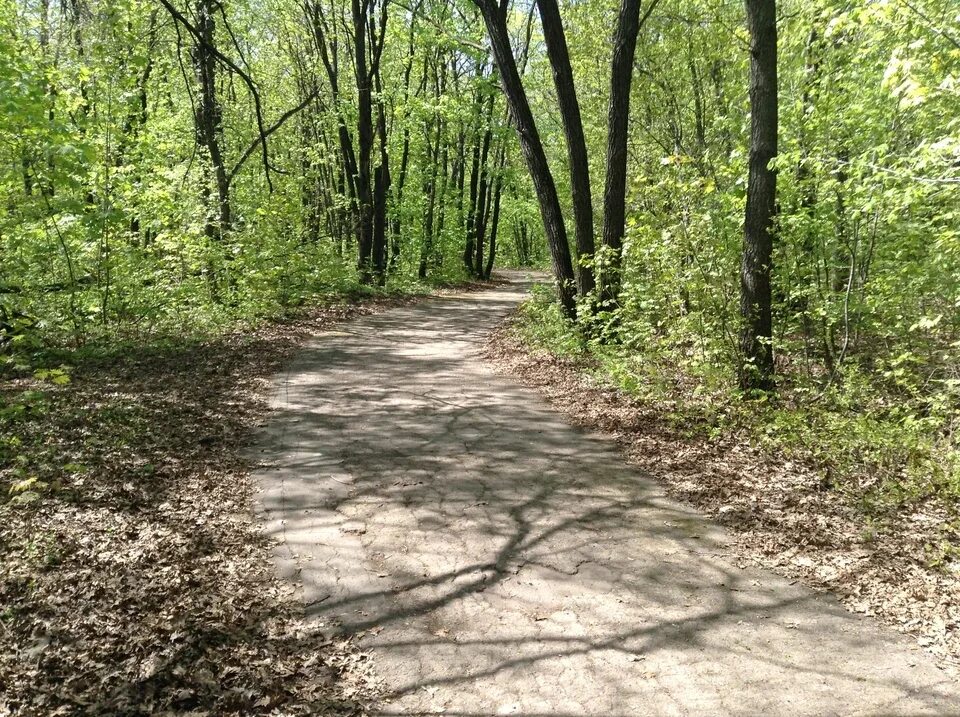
[495, 560]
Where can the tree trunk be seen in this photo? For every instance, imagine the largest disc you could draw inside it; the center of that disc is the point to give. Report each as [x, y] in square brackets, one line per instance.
[755, 300]
[472, 208]
[483, 195]
[430, 193]
[442, 213]
[559, 56]
[495, 223]
[397, 223]
[209, 117]
[615, 188]
[381, 188]
[532, 148]
[364, 142]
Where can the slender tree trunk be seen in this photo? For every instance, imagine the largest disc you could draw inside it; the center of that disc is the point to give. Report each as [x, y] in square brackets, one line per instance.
[615, 188]
[459, 171]
[397, 222]
[381, 188]
[328, 47]
[210, 115]
[310, 185]
[442, 194]
[533, 153]
[494, 225]
[430, 192]
[755, 299]
[381, 185]
[472, 208]
[580, 189]
[364, 142]
[483, 195]
[719, 97]
[136, 119]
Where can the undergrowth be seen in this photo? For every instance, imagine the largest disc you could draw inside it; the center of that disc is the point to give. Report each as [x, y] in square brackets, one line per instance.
[885, 446]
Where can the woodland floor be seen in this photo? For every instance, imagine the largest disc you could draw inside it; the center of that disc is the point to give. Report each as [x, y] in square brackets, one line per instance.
[778, 510]
[457, 545]
[492, 558]
[133, 579]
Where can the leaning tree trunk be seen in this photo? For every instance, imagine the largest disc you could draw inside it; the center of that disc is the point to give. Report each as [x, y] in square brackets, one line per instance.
[533, 153]
[576, 144]
[755, 300]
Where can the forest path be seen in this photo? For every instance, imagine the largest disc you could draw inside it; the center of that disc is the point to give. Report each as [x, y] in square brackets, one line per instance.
[496, 560]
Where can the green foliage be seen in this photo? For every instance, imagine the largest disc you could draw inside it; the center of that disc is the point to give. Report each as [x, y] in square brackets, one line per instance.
[867, 249]
[544, 324]
[109, 224]
[878, 448]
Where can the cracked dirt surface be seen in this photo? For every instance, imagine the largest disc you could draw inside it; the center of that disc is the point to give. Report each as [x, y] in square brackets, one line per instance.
[495, 560]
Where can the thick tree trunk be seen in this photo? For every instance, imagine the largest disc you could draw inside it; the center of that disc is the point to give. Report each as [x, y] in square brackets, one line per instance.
[580, 189]
[615, 188]
[533, 153]
[755, 300]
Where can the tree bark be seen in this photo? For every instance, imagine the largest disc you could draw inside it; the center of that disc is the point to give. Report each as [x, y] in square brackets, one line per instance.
[471, 219]
[430, 193]
[483, 195]
[495, 224]
[468, 248]
[381, 189]
[209, 116]
[397, 222]
[615, 187]
[533, 153]
[559, 56]
[364, 141]
[755, 269]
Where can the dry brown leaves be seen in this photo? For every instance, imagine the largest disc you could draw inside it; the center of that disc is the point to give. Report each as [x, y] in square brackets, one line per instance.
[138, 583]
[782, 516]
